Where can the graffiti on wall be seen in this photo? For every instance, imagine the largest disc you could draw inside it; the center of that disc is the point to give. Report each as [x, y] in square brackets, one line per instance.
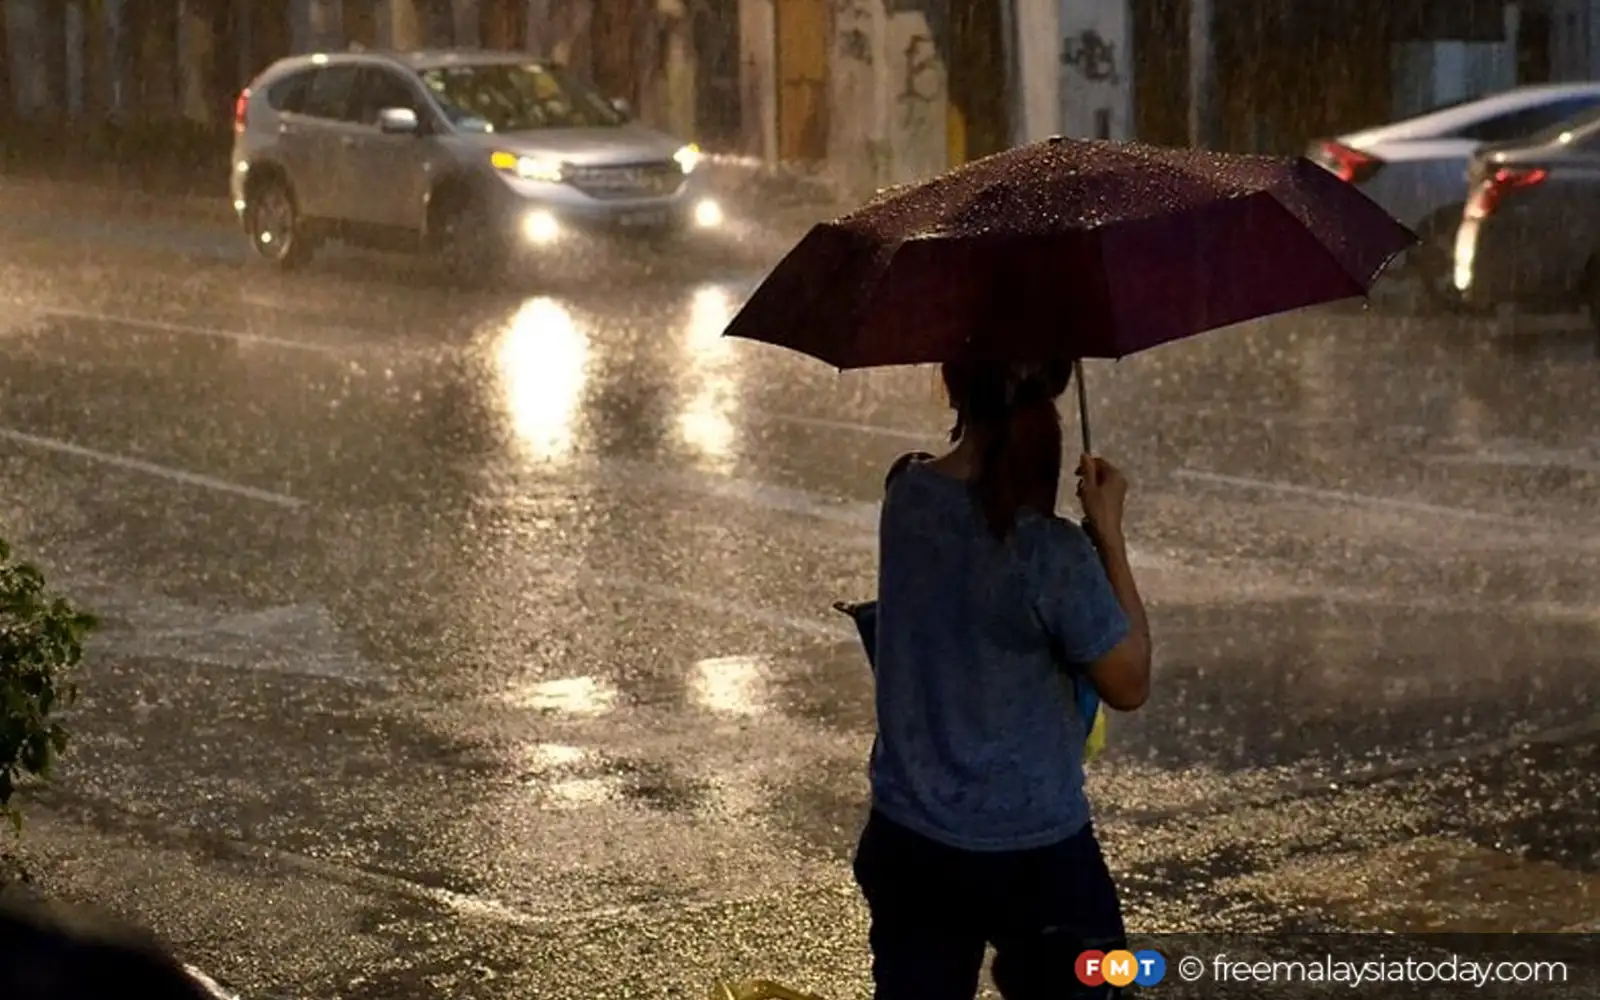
[919, 80]
[1092, 56]
[854, 30]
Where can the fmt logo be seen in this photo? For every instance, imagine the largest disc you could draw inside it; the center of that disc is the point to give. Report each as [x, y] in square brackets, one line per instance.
[1120, 968]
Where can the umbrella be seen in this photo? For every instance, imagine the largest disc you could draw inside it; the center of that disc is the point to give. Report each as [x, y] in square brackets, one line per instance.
[1070, 249]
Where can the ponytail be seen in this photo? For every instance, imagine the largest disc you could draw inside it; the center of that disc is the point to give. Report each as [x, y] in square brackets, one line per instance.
[1013, 413]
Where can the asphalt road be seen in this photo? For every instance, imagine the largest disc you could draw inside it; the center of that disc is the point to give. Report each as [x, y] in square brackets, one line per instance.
[479, 645]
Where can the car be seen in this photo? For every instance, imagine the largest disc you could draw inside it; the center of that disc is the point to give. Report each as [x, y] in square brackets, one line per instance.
[1529, 234]
[478, 157]
[1414, 168]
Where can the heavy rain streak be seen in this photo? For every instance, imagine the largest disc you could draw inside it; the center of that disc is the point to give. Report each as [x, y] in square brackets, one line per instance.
[453, 429]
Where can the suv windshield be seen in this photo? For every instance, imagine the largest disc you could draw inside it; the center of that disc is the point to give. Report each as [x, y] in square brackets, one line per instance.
[516, 98]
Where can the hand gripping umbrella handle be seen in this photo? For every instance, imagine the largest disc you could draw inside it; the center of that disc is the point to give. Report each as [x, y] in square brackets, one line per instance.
[1083, 406]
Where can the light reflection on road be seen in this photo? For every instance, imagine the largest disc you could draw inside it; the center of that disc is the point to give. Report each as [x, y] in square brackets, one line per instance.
[706, 420]
[585, 696]
[731, 685]
[542, 360]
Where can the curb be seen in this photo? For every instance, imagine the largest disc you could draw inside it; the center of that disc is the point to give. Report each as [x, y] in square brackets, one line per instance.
[99, 194]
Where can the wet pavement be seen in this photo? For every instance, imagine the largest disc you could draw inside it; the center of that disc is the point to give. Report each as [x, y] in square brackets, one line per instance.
[478, 645]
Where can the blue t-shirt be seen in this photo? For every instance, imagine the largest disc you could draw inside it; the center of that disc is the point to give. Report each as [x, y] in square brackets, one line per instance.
[980, 742]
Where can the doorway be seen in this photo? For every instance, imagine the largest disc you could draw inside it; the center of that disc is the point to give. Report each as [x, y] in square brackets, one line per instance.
[979, 86]
[719, 114]
[803, 31]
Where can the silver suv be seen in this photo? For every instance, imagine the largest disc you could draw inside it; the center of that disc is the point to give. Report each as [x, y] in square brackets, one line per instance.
[475, 156]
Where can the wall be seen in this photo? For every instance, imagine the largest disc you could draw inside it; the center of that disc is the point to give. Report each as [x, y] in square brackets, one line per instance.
[668, 91]
[464, 14]
[1592, 20]
[30, 90]
[1570, 48]
[1036, 41]
[859, 156]
[887, 92]
[399, 26]
[196, 49]
[316, 25]
[1096, 69]
[1426, 75]
[403, 24]
[559, 30]
[758, 82]
[917, 137]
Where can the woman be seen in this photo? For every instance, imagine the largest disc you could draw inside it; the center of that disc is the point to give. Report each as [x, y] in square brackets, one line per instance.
[980, 830]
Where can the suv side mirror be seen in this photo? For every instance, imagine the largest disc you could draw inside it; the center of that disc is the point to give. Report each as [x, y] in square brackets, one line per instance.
[622, 107]
[398, 121]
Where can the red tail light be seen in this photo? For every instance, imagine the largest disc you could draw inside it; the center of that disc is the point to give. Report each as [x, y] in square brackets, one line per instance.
[1351, 165]
[241, 110]
[1489, 193]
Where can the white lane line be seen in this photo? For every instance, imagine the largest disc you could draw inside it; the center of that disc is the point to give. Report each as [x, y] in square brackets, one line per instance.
[186, 329]
[1354, 499]
[151, 469]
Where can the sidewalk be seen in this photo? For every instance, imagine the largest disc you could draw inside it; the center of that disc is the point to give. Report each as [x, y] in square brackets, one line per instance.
[104, 198]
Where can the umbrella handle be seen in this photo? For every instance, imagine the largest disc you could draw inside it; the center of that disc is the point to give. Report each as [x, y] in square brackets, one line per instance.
[1083, 406]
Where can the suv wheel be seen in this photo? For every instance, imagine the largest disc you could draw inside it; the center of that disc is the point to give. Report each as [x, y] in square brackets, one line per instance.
[273, 223]
[472, 252]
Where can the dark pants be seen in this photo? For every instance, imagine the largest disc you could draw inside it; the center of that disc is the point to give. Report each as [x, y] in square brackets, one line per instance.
[934, 908]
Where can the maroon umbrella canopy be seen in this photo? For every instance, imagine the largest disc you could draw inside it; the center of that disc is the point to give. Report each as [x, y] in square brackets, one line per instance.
[1071, 249]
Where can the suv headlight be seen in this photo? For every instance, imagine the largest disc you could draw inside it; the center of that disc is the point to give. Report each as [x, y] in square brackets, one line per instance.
[688, 158]
[529, 168]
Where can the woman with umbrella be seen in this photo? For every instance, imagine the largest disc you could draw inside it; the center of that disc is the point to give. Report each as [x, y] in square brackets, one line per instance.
[980, 830]
[992, 609]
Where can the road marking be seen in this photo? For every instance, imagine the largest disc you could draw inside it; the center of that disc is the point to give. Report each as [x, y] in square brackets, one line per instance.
[187, 329]
[151, 469]
[1354, 499]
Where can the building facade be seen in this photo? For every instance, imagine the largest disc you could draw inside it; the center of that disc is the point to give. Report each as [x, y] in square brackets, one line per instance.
[879, 92]
[865, 92]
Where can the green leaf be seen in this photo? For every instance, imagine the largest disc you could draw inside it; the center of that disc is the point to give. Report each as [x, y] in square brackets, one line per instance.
[41, 639]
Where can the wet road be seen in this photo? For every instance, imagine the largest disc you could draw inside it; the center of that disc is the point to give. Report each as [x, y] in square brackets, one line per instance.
[478, 645]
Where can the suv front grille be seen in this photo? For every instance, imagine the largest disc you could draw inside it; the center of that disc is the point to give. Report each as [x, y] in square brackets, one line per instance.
[656, 179]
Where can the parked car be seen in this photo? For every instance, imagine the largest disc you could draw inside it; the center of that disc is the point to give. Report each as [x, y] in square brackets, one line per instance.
[1414, 168]
[1530, 232]
[476, 156]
